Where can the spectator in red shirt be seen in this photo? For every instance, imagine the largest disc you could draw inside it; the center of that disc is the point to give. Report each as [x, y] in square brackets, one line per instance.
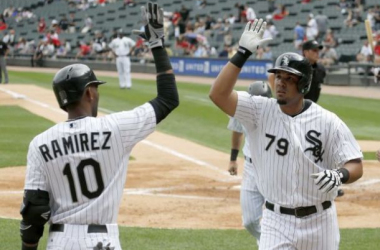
[84, 50]
[41, 25]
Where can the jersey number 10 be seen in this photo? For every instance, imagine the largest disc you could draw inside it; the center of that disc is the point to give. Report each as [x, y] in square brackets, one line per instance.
[82, 179]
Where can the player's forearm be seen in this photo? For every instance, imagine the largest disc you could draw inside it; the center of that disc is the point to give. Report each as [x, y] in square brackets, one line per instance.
[355, 170]
[222, 93]
[236, 140]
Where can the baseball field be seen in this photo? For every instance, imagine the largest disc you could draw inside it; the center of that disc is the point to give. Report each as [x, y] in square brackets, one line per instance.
[178, 193]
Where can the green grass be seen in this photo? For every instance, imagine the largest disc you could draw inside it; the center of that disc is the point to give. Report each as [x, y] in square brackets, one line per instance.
[198, 120]
[17, 129]
[370, 155]
[133, 238]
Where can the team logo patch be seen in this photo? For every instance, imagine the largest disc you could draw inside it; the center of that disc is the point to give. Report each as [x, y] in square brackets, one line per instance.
[285, 61]
[316, 149]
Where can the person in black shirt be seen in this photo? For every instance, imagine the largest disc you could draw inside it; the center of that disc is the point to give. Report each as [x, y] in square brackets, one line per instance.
[3, 64]
[310, 50]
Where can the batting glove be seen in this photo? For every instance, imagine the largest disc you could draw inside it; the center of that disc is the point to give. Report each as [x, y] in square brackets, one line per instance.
[252, 37]
[153, 20]
[328, 181]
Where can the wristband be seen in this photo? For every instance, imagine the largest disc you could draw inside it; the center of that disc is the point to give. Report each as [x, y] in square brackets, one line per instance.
[23, 247]
[161, 60]
[234, 154]
[240, 57]
[344, 174]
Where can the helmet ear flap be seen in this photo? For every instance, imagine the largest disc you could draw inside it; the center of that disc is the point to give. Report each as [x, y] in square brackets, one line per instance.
[304, 84]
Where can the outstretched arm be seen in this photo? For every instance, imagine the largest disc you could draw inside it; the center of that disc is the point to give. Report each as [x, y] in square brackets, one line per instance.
[222, 93]
[167, 95]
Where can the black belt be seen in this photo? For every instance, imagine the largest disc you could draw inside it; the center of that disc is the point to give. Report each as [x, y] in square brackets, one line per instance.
[248, 159]
[91, 228]
[298, 212]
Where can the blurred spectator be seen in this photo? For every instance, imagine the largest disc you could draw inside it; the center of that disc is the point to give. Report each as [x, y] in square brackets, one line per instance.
[353, 18]
[185, 15]
[201, 4]
[271, 5]
[280, 13]
[200, 51]
[377, 52]
[41, 26]
[344, 6]
[371, 18]
[224, 52]
[250, 13]
[270, 31]
[328, 56]
[3, 25]
[55, 26]
[330, 39]
[99, 45]
[209, 23]
[241, 15]
[129, 3]
[72, 25]
[268, 53]
[377, 17]
[63, 49]
[64, 24]
[37, 58]
[299, 35]
[365, 54]
[3, 63]
[259, 53]
[322, 24]
[231, 19]
[8, 12]
[11, 40]
[84, 49]
[87, 25]
[312, 28]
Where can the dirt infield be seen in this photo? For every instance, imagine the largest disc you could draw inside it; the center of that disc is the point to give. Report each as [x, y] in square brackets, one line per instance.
[174, 183]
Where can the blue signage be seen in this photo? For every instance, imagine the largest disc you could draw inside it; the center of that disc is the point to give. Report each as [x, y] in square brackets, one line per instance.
[211, 67]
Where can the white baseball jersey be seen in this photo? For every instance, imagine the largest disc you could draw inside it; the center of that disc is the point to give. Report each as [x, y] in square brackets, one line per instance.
[83, 164]
[122, 47]
[286, 150]
[235, 125]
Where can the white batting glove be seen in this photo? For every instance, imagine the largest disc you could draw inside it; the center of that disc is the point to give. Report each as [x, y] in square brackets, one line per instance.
[153, 20]
[252, 37]
[328, 181]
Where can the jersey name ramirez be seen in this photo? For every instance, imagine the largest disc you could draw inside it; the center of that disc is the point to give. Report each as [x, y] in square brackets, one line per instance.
[76, 143]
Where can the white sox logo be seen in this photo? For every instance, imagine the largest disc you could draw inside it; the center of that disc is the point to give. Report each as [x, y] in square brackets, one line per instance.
[285, 61]
[311, 137]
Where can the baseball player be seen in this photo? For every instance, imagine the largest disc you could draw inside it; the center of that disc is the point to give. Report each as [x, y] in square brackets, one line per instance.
[301, 152]
[76, 170]
[122, 47]
[251, 199]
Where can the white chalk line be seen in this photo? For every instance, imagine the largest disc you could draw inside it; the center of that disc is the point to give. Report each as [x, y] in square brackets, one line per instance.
[147, 192]
[152, 144]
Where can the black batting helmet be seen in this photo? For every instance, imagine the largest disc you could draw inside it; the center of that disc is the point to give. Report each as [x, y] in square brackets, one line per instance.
[69, 83]
[260, 88]
[298, 65]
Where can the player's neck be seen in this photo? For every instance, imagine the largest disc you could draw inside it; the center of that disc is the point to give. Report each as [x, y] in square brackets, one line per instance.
[293, 109]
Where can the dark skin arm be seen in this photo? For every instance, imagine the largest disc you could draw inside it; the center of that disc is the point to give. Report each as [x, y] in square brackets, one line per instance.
[236, 140]
[355, 168]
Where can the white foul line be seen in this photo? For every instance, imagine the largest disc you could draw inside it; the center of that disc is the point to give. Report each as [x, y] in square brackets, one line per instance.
[24, 97]
[152, 144]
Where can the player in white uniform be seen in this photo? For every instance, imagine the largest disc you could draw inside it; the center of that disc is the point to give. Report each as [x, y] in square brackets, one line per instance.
[76, 170]
[251, 199]
[122, 47]
[301, 152]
